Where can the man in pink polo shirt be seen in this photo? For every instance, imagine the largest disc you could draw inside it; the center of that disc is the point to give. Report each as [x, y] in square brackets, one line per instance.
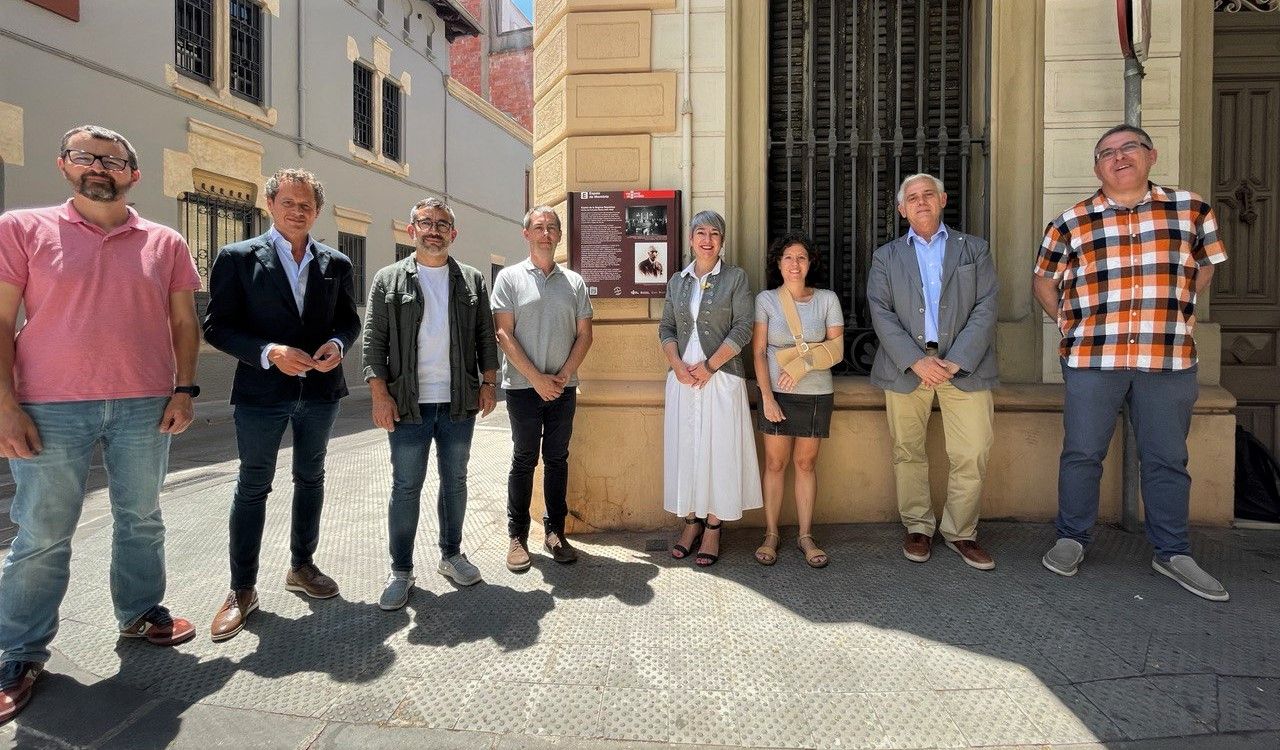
[110, 330]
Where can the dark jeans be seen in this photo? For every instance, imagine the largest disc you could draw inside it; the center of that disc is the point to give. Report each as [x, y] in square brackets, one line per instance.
[258, 433]
[539, 424]
[1160, 405]
[410, 449]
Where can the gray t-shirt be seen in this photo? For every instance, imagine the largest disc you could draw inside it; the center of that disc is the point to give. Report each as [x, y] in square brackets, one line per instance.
[816, 315]
[547, 309]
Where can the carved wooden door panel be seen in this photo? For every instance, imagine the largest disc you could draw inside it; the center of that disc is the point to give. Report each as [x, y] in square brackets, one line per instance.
[1246, 198]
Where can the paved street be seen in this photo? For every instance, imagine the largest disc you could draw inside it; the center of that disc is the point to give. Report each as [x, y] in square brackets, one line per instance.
[629, 647]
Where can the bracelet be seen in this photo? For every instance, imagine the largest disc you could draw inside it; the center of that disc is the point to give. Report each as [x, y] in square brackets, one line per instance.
[707, 364]
[495, 385]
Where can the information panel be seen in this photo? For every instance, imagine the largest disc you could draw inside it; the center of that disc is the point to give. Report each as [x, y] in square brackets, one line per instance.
[625, 243]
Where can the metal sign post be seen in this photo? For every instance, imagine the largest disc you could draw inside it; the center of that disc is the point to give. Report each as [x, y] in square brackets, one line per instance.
[1133, 18]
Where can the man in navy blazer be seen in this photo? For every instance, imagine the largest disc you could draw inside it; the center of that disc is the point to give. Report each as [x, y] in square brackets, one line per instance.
[932, 294]
[284, 306]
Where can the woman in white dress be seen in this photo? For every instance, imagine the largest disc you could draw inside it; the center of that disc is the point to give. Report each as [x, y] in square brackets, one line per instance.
[710, 472]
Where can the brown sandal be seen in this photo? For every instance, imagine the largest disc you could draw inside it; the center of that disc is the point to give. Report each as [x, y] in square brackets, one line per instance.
[814, 556]
[767, 554]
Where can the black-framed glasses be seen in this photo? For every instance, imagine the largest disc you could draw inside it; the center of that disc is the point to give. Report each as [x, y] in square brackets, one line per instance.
[86, 159]
[441, 226]
[1127, 149]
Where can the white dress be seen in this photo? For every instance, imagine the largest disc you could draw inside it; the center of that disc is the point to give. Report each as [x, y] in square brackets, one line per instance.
[709, 449]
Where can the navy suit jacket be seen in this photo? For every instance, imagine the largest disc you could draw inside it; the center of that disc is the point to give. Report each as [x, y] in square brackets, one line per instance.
[251, 305]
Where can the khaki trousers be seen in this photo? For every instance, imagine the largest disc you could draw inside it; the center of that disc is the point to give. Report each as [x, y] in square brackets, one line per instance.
[967, 424]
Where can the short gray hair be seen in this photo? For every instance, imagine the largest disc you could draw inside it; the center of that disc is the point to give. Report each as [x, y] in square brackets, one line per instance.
[937, 184]
[432, 202]
[104, 134]
[707, 219]
[539, 210]
[295, 175]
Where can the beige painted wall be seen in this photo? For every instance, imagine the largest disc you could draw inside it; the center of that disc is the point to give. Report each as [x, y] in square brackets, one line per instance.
[1050, 95]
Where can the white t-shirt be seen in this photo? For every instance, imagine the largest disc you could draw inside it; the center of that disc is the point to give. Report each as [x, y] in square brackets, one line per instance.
[433, 336]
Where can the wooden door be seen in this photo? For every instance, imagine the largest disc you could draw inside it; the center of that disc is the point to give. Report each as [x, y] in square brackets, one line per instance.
[1246, 198]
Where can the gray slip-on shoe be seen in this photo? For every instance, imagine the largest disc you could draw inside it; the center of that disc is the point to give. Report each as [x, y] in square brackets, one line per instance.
[460, 570]
[396, 593]
[1064, 557]
[1191, 577]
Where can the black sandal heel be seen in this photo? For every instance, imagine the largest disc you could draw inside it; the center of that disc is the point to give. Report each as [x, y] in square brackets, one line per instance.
[686, 551]
[706, 559]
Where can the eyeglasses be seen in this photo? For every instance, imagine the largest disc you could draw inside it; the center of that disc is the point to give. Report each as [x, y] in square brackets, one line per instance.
[86, 159]
[1128, 149]
[441, 226]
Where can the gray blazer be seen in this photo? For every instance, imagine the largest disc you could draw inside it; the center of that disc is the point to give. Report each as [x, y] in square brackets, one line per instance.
[966, 313]
[724, 317]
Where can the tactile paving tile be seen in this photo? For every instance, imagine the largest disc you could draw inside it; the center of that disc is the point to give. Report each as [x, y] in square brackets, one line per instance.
[495, 707]
[1140, 710]
[1085, 659]
[637, 715]
[431, 703]
[774, 719]
[647, 668]
[956, 668]
[566, 711]
[705, 717]
[1064, 715]
[1248, 703]
[846, 721]
[990, 717]
[912, 720]
[1197, 693]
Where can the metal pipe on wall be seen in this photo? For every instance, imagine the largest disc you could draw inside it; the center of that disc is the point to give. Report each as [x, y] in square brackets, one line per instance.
[302, 84]
[686, 127]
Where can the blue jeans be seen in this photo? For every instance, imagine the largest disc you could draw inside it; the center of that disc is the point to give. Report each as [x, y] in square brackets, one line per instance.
[410, 449]
[1160, 406]
[47, 505]
[545, 426]
[258, 433]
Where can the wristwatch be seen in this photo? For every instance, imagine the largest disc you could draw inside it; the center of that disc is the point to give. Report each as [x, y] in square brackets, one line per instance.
[191, 390]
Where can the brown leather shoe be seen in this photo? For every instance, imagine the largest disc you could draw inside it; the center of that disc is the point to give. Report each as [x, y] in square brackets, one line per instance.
[518, 555]
[917, 547]
[233, 614]
[974, 555]
[308, 579]
[558, 546]
[17, 680]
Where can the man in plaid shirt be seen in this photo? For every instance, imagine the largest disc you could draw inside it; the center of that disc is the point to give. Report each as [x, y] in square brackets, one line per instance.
[1120, 272]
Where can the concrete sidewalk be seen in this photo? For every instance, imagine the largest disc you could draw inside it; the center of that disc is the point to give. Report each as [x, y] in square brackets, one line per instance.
[630, 647]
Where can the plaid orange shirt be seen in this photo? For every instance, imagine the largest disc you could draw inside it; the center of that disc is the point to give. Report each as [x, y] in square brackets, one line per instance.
[1128, 278]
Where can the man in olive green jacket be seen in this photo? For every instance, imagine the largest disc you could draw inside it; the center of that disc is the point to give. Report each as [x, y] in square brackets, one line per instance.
[431, 360]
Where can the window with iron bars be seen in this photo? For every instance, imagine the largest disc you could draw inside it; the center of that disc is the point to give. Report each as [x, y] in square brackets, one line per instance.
[390, 120]
[352, 246]
[209, 222]
[863, 93]
[193, 38]
[403, 251]
[362, 106]
[246, 50]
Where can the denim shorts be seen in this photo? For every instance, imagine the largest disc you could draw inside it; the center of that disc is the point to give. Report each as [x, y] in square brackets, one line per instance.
[806, 416]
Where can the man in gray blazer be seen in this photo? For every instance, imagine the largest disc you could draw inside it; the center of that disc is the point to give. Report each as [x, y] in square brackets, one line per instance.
[932, 294]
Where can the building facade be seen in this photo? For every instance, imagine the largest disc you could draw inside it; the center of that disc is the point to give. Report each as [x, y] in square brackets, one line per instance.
[498, 63]
[804, 115]
[218, 94]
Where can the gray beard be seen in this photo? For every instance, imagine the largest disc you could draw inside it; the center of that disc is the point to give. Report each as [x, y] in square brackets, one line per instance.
[97, 191]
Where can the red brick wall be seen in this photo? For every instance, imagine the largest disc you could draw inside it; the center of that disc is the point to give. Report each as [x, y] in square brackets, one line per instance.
[510, 73]
[511, 84]
[464, 53]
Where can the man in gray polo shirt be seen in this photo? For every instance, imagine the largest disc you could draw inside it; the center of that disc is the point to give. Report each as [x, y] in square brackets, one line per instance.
[542, 317]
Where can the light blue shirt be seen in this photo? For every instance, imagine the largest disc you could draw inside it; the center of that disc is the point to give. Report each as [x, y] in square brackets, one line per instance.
[296, 272]
[930, 256]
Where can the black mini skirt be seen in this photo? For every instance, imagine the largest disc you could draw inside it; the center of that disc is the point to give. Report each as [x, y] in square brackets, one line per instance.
[806, 416]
